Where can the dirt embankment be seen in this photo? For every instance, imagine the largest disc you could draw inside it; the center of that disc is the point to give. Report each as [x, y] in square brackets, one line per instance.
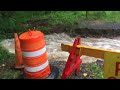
[84, 28]
[98, 29]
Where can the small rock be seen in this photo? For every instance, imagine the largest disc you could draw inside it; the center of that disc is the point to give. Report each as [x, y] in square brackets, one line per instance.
[3, 65]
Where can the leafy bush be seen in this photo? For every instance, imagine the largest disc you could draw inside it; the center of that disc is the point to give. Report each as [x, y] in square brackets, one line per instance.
[5, 55]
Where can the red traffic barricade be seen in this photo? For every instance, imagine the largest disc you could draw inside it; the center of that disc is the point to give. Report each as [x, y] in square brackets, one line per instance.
[73, 62]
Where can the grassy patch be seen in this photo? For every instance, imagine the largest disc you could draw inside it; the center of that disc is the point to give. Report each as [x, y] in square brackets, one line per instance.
[89, 71]
[7, 64]
[5, 55]
[10, 74]
[66, 18]
[18, 20]
[96, 71]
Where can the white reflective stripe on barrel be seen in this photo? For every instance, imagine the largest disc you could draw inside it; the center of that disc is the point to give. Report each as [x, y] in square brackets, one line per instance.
[34, 53]
[36, 69]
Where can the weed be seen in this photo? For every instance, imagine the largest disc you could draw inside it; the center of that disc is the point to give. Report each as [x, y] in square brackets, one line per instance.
[96, 71]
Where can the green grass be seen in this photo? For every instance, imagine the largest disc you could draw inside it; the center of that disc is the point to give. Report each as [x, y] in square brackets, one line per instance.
[66, 18]
[92, 71]
[17, 22]
[55, 17]
[10, 74]
[96, 71]
[8, 59]
[112, 16]
[5, 55]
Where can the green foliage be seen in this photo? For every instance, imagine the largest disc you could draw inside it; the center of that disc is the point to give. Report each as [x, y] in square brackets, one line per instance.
[8, 24]
[6, 20]
[96, 15]
[97, 72]
[10, 74]
[6, 14]
[8, 59]
[17, 21]
[5, 55]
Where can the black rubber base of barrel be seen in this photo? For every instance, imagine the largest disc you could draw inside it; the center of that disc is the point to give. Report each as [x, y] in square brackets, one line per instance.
[54, 72]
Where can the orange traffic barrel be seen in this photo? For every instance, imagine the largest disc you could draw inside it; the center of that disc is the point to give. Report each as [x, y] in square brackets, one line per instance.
[35, 59]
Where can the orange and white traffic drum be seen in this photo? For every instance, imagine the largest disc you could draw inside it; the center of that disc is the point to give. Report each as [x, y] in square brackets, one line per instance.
[34, 53]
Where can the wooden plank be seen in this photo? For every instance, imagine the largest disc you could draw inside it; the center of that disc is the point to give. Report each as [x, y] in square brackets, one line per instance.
[87, 50]
[111, 65]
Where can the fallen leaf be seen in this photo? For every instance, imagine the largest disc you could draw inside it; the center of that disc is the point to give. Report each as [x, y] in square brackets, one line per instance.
[84, 74]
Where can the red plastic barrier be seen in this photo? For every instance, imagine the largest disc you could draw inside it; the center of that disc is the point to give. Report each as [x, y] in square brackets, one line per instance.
[73, 62]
